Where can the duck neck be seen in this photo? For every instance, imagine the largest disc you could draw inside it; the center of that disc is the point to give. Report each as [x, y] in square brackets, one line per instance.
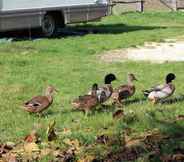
[107, 81]
[93, 93]
[50, 98]
[168, 81]
[130, 82]
[110, 88]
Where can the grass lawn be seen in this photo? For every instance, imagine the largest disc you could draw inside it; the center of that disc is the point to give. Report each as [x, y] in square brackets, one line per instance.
[72, 66]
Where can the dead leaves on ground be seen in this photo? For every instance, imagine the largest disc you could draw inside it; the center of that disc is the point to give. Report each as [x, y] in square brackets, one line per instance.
[131, 148]
[179, 118]
[88, 158]
[32, 137]
[103, 139]
[5, 148]
[31, 148]
[137, 146]
[172, 158]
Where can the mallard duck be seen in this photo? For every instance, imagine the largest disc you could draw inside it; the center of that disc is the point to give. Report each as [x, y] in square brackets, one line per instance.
[87, 102]
[124, 91]
[40, 103]
[159, 92]
[104, 92]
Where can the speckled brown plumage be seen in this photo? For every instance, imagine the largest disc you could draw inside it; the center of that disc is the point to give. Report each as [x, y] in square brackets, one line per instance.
[124, 91]
[86, 102]
[39, 103]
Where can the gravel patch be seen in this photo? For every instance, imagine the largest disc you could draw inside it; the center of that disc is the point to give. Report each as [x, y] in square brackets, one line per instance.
[169, 51]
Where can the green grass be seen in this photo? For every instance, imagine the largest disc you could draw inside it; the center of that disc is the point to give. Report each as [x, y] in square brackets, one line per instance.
[72, 66]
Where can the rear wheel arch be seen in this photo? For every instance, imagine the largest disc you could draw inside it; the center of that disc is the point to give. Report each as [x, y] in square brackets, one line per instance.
[51, 22]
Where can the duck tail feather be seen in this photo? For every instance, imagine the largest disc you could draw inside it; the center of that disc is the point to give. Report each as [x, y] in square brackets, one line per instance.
[146, 93]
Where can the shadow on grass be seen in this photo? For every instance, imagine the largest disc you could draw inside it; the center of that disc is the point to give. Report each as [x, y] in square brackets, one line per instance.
[174, 100]
[105, 108]
[135, 101]
[167, 143]
[79, 30]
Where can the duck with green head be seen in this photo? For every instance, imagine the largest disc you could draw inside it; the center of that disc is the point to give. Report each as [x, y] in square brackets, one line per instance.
[163, 91]
[105, 91]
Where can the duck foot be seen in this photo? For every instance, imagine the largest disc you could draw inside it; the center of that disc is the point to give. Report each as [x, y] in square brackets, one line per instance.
[154, 101]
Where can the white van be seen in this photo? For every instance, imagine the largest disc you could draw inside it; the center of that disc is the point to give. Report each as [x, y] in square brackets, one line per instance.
[49, 14]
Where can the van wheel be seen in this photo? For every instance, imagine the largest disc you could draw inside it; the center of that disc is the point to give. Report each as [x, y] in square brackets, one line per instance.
[49, 26]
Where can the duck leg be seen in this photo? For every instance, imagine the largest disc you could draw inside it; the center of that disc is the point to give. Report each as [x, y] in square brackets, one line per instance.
[40, 114]
[86, 113]
[153, 101]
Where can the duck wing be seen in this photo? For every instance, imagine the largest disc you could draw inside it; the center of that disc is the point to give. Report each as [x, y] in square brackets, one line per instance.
[84, 101]
[36, 104]
[165, 92]
[84, 98]
[103, 93]
[124, 94]
[125, 91]
[155, 88]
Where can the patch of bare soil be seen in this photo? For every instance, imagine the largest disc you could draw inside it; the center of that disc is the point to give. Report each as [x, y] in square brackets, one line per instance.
[168, 51]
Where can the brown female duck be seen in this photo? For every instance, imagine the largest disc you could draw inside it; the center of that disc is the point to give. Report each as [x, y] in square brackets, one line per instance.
[124, 91]
[87, 102]
[40, 103]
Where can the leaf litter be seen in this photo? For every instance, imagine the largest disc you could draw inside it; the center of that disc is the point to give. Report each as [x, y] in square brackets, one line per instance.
[132, 146]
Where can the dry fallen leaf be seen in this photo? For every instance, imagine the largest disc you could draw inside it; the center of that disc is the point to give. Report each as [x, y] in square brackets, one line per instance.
[66, 131]
[5, 148]
[31, 147]
[172, 158]
[32, 137]
[51, 134]
[70, 142]
[74, 144]
[64, 156]
[118, 114]
[178, 157]
[180, 117]
[103, 139]
[11, 158]
[87, 159]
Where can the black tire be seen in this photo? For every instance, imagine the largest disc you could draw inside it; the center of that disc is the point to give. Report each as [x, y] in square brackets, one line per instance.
[49, 26]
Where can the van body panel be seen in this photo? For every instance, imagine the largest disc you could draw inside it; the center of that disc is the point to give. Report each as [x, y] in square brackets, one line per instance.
[22, 14]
